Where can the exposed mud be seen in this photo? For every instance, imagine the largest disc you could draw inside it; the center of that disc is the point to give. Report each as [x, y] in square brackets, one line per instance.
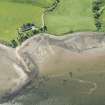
[44, 54]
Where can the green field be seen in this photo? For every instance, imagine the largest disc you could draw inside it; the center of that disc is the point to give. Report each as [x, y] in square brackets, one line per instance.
[70, 15]
[13, 15]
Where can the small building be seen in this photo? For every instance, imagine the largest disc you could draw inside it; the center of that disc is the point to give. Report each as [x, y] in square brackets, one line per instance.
[28, 26]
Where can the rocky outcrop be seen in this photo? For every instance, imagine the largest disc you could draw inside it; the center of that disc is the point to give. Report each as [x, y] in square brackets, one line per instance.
[45, 54]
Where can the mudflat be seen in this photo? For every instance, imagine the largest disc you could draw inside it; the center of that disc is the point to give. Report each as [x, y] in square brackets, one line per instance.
[73, 57]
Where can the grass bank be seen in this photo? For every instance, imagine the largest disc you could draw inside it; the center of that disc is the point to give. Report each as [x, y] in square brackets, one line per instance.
[12, 15]
[71, 15]
[68, 16]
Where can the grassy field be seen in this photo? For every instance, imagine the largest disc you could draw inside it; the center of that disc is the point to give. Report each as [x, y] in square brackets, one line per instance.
[13, 15]
[70, 15]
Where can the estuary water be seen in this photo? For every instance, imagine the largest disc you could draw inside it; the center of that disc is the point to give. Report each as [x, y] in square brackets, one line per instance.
[63, 90]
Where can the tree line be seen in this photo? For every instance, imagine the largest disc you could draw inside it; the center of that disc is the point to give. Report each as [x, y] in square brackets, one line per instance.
[97, 9]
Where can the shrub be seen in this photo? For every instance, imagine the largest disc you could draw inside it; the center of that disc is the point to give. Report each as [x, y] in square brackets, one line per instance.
[13, 43]
[96, 7]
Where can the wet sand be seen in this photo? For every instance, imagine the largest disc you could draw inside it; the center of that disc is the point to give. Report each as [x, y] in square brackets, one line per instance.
[65, 61]
[79, 54]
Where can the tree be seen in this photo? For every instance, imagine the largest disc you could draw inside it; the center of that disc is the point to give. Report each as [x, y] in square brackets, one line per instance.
[96, 7]
[13, 43]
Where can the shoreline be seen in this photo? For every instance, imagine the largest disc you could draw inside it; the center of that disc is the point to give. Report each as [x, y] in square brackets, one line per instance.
[70, 43]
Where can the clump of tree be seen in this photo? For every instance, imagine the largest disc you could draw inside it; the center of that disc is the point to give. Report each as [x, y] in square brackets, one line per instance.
[13, 43]
[24, 32]
[28, 30]
[53, 6]
[97, 9]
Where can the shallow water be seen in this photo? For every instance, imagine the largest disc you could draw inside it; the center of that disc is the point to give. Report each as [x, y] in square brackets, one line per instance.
[64, 90]
[67, 78]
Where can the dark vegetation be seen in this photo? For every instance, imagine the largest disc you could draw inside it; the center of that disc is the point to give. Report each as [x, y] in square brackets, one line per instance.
[56, 15]
[97, 9]
[28, 30]
[53, 6]
[24, 32]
